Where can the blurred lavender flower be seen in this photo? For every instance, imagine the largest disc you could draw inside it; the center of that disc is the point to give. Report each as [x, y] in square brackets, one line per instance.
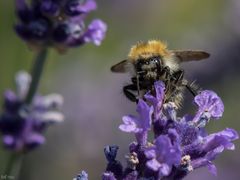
[58, 23]
[22, 126]
[180, 144]
[82, 176]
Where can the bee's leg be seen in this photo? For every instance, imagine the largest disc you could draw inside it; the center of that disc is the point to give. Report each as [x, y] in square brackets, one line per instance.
[178, 77]
[165, 73]
[193, 88]
[165, 76]
[138, 86]
[130, 95]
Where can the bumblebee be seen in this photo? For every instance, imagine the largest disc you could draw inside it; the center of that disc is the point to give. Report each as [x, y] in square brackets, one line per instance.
[151, 61]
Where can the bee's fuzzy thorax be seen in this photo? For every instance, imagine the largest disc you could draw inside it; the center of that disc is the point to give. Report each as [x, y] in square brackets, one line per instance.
[148, 49]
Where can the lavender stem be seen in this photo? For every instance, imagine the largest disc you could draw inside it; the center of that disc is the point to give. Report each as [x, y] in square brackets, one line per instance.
[37, 70]
[13, 166]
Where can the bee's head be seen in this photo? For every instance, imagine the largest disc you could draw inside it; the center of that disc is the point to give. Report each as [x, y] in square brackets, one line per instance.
[150, 64]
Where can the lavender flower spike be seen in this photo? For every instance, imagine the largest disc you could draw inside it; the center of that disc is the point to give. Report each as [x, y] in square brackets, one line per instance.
[178, 146]
[58, 24]
[22, 128]
[139, 125]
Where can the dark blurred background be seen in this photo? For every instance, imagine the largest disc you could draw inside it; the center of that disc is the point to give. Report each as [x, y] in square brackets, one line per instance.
[94, 103]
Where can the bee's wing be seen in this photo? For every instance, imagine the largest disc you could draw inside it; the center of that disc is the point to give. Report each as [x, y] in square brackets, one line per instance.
[120, 67]
[190, 55]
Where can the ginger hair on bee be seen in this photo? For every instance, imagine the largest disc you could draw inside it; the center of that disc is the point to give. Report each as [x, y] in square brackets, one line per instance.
[147, 49]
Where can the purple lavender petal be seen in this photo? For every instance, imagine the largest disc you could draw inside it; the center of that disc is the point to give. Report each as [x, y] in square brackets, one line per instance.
[212, 169]
[74, 8]
[167, 152]
[152, 99]
[145, 113]
[211, 155]
[153, 164]
[208, 101]
[173, 135]
[96, 32]
[159, 88]
[157, 101]
[222, 138]
[142, 137]
[165, 170]
[187, 133]
[34, 139]
[11, 101]
[8, 140]
[163, 155]
[49, 7]
[206, 161]
[140, 124]
[150, 153]
[129, 124]
[89, 5]
[133, 147]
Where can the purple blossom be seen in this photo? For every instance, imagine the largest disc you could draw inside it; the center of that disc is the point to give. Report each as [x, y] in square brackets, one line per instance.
[179, 144]
[163, 155]
[22, 127]
[211, 146]
[139, 125]
[95, 33]
[210, 106]
[158, 99]
[58, 23]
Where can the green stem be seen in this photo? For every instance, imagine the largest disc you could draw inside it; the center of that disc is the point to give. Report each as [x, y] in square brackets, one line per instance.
[13, 166]
[37, 70]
